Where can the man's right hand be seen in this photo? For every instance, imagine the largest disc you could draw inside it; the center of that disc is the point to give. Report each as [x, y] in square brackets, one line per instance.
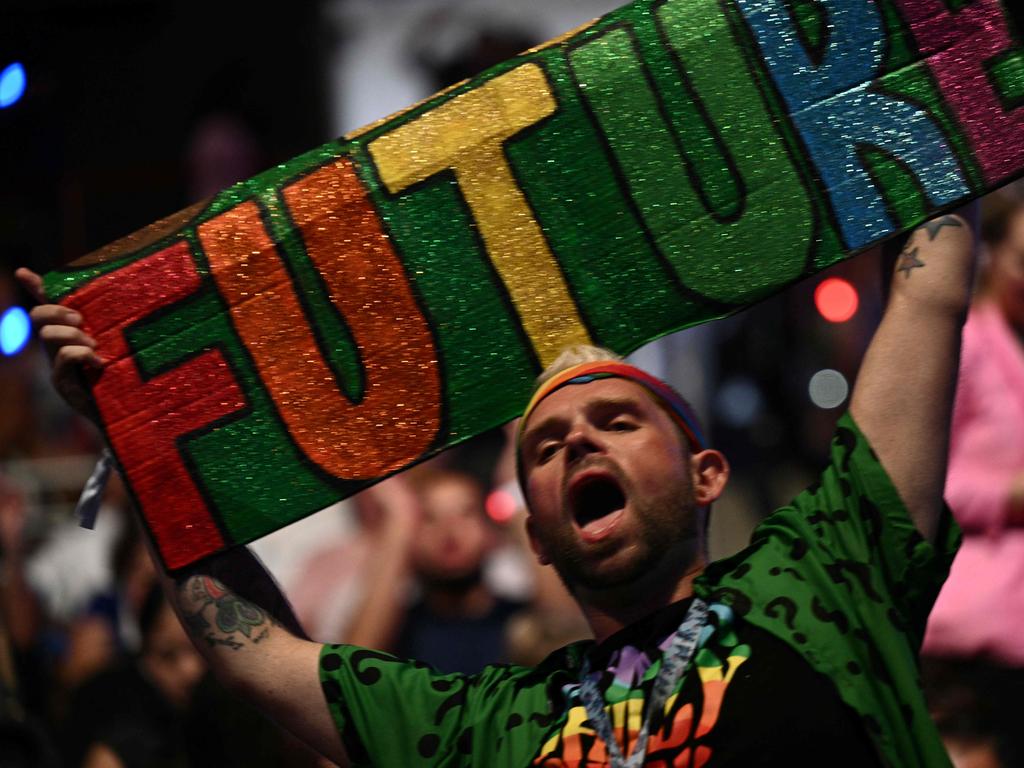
[70, 348]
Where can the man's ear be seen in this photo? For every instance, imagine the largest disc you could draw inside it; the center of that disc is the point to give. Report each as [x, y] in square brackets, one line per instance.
[710, 471]
[535, 542]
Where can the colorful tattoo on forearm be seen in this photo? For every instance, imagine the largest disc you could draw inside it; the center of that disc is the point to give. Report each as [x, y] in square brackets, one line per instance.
[234, 620]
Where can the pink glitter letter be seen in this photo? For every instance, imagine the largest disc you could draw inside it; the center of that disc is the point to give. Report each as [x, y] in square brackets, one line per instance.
[957, 46]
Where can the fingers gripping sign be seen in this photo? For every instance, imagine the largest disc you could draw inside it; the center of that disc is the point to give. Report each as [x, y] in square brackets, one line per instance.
[71, 349]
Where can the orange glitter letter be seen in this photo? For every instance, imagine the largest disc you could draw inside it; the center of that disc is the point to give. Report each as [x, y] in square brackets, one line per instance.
[399, 414]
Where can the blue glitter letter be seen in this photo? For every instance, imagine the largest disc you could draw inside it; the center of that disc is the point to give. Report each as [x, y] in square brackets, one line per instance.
[837, 113]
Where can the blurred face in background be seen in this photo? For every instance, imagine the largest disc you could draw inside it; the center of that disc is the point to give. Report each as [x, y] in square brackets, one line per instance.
[169, 660]
[1006, 279]
[454, 535]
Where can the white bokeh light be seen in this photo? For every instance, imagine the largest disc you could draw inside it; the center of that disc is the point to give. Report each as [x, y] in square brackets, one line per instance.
[828, 389]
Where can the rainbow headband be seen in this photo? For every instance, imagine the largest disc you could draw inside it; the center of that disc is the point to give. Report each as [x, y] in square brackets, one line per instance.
[682, 412]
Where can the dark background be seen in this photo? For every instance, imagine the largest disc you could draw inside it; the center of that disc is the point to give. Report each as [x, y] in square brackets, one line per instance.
[97, 146]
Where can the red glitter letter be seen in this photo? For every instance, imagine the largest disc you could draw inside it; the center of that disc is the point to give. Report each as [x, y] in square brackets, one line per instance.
[145, 419]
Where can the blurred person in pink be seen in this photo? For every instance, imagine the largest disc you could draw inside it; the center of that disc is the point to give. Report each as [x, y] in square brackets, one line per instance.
[980, 611]
[974, 644]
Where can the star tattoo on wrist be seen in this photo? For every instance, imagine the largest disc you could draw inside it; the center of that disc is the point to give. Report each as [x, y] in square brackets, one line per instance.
[909, 261]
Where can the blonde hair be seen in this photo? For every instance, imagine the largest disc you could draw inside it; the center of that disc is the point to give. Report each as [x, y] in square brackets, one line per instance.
[577, 354]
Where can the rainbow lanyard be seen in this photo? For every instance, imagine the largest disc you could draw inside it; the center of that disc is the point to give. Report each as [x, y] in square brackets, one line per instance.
[673, 663]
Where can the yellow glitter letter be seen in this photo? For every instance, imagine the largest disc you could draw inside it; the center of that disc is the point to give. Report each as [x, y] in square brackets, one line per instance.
[467, 136]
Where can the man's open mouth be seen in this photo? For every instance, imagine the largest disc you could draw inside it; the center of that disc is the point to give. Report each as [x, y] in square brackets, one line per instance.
[596, 501]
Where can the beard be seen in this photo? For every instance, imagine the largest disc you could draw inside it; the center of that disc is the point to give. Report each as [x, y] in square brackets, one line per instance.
[666, 526]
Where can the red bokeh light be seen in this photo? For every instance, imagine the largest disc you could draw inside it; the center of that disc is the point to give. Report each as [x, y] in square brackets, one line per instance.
[501, 506]
[836, 299]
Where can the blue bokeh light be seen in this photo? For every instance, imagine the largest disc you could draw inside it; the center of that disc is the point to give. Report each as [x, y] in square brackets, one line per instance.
[12, 84]
[15, 330]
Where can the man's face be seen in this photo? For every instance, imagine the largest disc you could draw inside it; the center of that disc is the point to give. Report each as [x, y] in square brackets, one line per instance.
[609, 484]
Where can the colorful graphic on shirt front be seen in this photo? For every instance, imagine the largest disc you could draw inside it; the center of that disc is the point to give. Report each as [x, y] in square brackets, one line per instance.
[677, 739]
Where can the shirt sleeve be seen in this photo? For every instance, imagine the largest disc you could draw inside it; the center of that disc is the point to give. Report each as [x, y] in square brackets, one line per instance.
[855, 518]
[391, 711]
[401, 712]
[843, 576]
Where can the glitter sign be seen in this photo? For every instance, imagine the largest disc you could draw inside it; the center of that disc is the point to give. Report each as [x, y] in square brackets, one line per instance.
[362, 307]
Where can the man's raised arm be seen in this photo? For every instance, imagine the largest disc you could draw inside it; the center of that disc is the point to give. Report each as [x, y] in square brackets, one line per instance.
[230, 606]
[241, 623]
[903, 398]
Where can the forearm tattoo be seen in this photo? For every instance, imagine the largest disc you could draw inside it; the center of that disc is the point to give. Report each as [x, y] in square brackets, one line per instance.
[214, 614]
[932, 227]
[908, 260]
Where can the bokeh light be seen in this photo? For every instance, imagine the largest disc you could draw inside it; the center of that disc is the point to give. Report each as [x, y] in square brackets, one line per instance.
[12, 84]
[828, 389]
[501, 506]
[14, 331]
[836, 299]
[739, 402]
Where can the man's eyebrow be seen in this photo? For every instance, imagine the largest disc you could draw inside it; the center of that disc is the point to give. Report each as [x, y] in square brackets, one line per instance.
[533, 435]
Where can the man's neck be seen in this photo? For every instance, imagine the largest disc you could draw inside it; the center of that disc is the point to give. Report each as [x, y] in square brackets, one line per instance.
[609, 611]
